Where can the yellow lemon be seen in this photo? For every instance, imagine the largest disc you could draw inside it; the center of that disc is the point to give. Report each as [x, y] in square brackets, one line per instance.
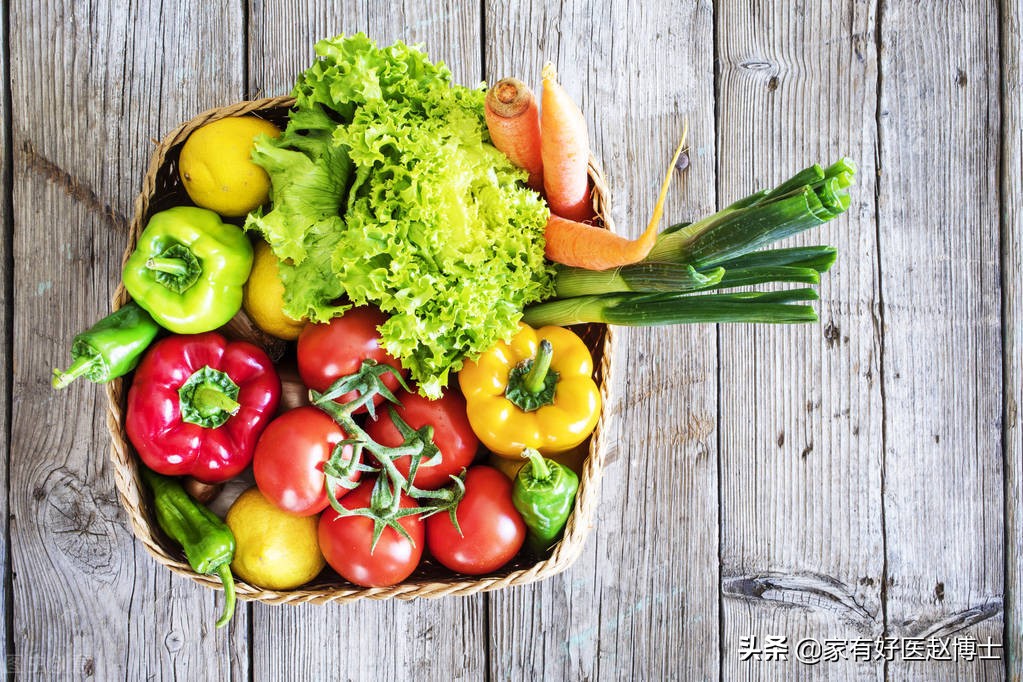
[217, 169]
[264, 296]
[274, 549]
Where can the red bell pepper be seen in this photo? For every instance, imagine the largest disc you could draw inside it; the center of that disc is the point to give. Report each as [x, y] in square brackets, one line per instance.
[198, 405]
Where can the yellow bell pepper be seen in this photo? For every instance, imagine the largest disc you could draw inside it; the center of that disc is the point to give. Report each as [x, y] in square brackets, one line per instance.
[536, 391]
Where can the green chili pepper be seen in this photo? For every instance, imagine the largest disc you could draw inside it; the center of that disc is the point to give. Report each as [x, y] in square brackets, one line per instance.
[208, 542]
[544, 492]
[188, 269]
[110, 348]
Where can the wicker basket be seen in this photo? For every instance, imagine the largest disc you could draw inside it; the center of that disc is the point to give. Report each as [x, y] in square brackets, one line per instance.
[162, 189]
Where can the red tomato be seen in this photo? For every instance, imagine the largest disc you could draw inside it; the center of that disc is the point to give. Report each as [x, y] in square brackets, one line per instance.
[289, 458]
[452, 434]
[492, 529]
[327, 352]
[345, 542]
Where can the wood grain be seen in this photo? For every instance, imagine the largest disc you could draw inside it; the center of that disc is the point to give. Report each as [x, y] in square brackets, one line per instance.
[437, 639]
[6, 350]
[641, 602]
[860, 477]
[91, 84]
[1012, 330]
[942, 357]
[801, 521]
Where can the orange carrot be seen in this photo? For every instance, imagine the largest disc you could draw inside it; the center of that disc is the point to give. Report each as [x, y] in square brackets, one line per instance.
[565, 149]
[586, 246]
[513, 119]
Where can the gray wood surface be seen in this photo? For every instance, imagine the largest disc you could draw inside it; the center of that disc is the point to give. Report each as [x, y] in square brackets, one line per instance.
[1012, 330]
[801, 418]
[941, 355]
[858, 478]
[6, 355]
[92, 85]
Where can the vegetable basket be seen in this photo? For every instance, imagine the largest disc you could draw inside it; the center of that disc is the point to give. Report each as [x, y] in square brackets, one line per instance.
[161, 189]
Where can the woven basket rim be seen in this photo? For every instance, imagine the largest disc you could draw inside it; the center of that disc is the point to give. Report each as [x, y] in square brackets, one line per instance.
[134, 500]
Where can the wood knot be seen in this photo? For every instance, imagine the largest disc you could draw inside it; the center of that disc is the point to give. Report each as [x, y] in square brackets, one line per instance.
[78, 523]
[832, 333]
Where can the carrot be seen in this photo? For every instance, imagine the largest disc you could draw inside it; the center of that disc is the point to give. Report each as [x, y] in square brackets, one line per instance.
[590, 247]
[513, 119]
[565, 149]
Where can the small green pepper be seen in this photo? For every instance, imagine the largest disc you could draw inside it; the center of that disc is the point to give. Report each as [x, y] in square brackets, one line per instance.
[208, 542]
[188, 269]
[544, 492]
[110, 348]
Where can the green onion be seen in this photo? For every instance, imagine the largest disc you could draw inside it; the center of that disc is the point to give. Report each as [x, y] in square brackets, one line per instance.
[640, 277]
[798, 265]
[744, 277]
[640, 310]
[820, 258]
[806, 200]
[722, 251]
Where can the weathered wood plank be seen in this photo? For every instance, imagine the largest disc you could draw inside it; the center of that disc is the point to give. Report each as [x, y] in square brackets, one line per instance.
[1012, 326]
[942, 357]
[6, 315]
[801, 415]
[641, 602]
[396, 640]
[88, 601]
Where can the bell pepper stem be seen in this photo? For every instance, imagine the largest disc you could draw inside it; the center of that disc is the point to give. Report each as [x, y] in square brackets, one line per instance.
[540, 471]
[534, 381]
[172, 266]
[80, 367]
[209, 399]
[224, 571]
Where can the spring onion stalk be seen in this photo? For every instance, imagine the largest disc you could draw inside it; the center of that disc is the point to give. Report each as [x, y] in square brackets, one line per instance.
[744, 277]
[639, 277]
[643, 310]
[819, 258]
[722, 251]
[806, 200]
[798, 265]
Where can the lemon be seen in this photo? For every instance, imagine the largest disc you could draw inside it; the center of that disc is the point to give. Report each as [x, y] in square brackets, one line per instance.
[274, 549]
[217, 169]
[264, 296]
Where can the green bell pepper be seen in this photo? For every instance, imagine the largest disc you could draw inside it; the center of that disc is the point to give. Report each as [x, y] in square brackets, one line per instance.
[110, 348]
[207, 541]
[188, 269]
[544, 492]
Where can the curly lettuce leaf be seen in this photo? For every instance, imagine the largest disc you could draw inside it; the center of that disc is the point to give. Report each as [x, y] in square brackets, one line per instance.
[441, 234]
[308, 178]
[437, 227]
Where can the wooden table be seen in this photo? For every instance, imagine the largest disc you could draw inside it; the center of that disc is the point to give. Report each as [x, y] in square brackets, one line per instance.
[856, 479]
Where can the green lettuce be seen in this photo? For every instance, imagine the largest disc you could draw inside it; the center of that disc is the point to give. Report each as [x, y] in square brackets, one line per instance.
[387, 191]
